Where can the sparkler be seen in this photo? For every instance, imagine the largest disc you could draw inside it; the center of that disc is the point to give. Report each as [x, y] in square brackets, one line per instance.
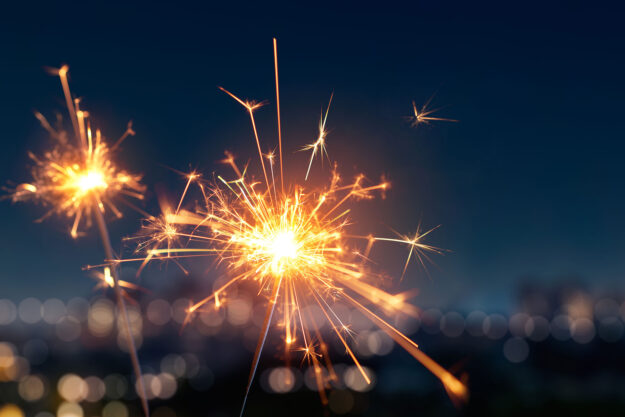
[79, 179]
[294, 242]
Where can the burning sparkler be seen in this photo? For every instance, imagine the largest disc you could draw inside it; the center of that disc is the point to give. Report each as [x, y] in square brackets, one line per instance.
[295, 243]
[79, 179]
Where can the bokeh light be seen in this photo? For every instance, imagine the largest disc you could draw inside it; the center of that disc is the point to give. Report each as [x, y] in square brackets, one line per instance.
[11, 410]
[115, 409]
[29, 310]
[353, 379]
[68, 329]
[281, 380]
[32, 388]
[52, 310]
[95, 388]
[101, 318]
[69, 409]
[8, 312]
[582, 330]
[159, 312]
[72, 388]
[116, 386]
[452, 324]
[495, 326]
[516, 349]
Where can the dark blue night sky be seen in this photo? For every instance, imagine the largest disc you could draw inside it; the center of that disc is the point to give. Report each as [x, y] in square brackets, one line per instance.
[528, 186]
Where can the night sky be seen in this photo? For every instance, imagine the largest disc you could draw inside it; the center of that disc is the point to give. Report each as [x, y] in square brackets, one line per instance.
[527, 187]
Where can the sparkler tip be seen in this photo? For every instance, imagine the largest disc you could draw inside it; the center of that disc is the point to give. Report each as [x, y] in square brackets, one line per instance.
[129, 128]
[61, 71]
[26, 187]
[456, 389]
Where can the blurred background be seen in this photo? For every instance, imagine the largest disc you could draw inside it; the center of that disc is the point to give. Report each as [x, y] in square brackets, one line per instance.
[527, 187]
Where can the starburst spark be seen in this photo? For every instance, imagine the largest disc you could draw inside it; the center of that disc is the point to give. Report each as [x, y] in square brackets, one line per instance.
[318, 146]
[424, 115]
[297, 247]
[76, 177]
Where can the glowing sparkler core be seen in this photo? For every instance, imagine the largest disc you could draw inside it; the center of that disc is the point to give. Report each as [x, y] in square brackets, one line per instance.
[89, 181]
[287, 245]
[108, 279]
[169, 231]
[284, 247]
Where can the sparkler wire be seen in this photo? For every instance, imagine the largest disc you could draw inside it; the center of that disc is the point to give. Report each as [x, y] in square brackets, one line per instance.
[261, 340]
[121, 303]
